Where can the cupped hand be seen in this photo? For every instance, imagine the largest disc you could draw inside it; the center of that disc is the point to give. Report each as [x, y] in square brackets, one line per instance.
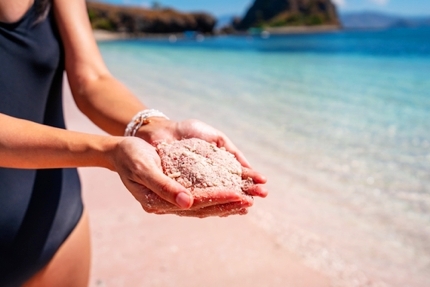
[161, 129]
[139, 165]
[212, 201]
[139, 168]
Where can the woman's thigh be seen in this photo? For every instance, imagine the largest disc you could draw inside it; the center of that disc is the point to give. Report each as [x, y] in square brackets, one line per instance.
[70, 266]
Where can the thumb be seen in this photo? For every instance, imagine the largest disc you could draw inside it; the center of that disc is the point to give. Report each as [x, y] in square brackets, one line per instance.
[169, 190]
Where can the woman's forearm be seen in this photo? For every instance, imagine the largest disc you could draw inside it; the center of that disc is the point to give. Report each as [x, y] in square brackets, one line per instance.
[24, 144]
[106, 102]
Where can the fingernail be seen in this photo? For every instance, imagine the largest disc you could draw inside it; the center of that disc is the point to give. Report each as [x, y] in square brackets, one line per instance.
[263, 179]
[184, 200]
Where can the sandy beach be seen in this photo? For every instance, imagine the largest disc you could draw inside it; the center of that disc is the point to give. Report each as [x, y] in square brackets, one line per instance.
[132, 248]
[103, 35]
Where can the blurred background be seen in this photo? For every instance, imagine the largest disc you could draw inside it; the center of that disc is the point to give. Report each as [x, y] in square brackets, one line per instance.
[329, 99]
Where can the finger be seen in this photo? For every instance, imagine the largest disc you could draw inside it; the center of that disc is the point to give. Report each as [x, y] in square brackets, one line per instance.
[168, 189]
[151, 202]
[203, 198]
[242, 211]
[256, 177]
[231, 208]
[216, 196]
[225, 142]
[218, 210]
[209, 206]
[205, 215]
[256, 190]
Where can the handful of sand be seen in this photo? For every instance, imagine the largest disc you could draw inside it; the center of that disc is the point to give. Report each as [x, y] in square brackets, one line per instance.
[202, 167]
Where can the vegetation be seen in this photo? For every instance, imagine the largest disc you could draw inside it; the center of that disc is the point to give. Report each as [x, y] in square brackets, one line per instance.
[103, 24]
[296, 20]
[139, 20]
[280, 13]
[98, 22]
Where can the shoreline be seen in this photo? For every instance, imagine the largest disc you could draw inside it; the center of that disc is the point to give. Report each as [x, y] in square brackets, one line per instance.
[103, 35]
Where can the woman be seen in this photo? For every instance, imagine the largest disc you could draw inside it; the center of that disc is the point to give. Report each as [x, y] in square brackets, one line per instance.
[44, 235]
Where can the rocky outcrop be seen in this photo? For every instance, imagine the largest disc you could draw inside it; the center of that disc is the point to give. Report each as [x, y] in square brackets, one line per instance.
[280, 13]
[139, 20]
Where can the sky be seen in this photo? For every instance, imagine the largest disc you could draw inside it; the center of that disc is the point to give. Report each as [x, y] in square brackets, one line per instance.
[239, 7]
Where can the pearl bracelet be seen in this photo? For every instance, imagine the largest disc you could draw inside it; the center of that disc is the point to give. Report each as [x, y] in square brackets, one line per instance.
[140, 119]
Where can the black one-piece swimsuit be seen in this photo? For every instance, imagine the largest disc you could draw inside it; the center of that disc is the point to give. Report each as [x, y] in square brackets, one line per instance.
[38, 208]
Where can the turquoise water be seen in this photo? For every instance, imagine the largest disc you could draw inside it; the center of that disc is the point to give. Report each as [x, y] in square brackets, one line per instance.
[340, 123]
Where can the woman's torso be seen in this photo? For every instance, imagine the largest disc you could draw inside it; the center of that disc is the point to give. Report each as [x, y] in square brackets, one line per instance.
[38, 208]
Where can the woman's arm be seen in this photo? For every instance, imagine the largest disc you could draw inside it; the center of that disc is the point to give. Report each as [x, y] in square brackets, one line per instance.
[102, 98]
[28, 145]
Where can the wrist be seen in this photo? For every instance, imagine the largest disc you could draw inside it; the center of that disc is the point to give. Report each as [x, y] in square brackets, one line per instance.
[105, 151]
[157, 129]
[140, 119]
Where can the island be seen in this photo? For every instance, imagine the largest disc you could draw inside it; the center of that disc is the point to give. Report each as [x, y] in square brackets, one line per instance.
[281, 15]
[141, 21]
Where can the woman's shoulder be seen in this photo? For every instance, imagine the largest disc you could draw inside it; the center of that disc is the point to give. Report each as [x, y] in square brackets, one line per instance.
[12, 11]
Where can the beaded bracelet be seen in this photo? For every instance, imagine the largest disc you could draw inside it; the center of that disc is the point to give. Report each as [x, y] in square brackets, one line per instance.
[140, 119]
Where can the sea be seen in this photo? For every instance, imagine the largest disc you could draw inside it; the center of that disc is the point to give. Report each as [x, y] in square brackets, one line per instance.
[339, 122]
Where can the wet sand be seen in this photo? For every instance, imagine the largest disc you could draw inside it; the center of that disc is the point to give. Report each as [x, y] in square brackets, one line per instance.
[133, 248]
[102, 35]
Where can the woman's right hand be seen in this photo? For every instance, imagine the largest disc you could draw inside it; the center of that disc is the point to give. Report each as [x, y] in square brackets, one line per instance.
[139, 168]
